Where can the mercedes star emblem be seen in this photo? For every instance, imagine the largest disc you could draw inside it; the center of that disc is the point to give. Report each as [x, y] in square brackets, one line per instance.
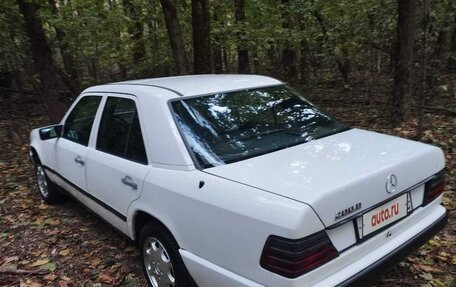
[391, 183]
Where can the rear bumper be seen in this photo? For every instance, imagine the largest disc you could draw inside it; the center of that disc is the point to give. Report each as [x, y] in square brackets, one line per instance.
[371, 272]
[207, 274]
[353, 267]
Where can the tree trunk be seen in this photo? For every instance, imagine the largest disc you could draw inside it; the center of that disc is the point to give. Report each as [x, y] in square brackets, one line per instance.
[226, 62]
[304, 67]
[452, 50]
[122, 69]
[217, 50]
[175, 35]
[50, 83]
[427, 22]
[255, 56]
[273, 61]
[201, 37]
[403, 75]
[136, 31]
[442, 45]
[315, 61]
[288, 54]
[152, 28]
[67, 57]
[218, 59]
[343, 63]
[242, 52]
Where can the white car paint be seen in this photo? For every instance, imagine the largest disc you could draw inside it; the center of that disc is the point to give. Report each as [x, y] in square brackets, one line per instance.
[222, 227]
[65, 153]
[357, 163]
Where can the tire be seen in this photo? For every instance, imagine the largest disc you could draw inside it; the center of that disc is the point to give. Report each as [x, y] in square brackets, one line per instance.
[161, 261]
[47, 189]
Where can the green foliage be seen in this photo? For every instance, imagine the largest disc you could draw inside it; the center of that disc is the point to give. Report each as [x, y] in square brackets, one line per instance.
[323, 33]
[13, 43]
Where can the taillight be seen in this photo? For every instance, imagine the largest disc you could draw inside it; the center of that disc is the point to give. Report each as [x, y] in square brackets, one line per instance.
[434, 187]
[294, 257]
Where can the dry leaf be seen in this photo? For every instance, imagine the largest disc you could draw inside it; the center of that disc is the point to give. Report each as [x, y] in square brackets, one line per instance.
[30, 283]
[40, 262]
[427, 268]
[49, 266]
[66, 278]
[96, 262]
[426, 276]
[434, 241]
[51, 221]
[106, 278]
[11, 259]
[438, 283]
[50, 277]
[9, 267]
[64, 252]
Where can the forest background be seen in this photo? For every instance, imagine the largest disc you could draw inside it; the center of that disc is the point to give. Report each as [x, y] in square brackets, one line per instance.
[384, 65]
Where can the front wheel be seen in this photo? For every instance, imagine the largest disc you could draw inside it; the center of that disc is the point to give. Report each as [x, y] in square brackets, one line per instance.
[47, 189]
[161, 260]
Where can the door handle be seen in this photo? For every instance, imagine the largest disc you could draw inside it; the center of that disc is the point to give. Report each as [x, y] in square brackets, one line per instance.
[79, 160]
[127, 180]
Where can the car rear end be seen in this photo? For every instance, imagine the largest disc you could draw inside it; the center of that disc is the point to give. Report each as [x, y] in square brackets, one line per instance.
[376, 197]
[378, 200]
[341, 256]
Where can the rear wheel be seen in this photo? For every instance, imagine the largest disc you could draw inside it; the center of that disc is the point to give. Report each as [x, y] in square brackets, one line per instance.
[161, 260]
[47, 189]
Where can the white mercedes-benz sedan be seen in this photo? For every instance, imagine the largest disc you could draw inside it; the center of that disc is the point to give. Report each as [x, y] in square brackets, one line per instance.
[237, 180]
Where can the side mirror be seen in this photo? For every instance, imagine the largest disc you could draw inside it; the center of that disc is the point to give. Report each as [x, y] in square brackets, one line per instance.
[50, 132]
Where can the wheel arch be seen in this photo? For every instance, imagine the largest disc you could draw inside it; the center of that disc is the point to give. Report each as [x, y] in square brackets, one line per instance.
[34, 155]
[141, 218]
[36, 148]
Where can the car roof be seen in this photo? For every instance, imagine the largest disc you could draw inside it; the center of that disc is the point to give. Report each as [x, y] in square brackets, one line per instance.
[199, 84]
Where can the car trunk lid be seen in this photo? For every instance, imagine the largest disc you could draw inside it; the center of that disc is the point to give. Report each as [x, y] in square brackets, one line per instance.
[338, 172]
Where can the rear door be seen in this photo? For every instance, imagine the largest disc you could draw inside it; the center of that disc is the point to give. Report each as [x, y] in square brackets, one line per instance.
[71, 148]
[118, 164]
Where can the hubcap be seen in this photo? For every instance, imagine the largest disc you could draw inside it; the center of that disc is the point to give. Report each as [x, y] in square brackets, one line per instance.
[42, 182]
[158, 264]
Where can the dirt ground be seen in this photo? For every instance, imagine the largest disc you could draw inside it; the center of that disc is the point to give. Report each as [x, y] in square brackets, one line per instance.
[65, 245]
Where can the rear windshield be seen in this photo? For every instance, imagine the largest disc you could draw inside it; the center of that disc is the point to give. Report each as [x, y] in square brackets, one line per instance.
[229, 127]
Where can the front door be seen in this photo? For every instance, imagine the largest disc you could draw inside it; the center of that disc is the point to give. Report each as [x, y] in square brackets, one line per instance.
[71, 148]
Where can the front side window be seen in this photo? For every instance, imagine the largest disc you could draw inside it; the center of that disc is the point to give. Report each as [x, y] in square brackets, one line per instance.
[78, 124]
[229, 127]
[120, 132]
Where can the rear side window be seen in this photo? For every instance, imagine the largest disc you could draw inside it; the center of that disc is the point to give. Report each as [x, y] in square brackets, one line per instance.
[120, 132]
[78, 124]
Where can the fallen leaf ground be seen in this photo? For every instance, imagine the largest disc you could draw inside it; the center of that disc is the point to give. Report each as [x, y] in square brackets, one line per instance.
[65, 245]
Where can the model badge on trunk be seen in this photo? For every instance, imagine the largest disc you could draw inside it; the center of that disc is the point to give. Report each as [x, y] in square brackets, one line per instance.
[347, 211]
